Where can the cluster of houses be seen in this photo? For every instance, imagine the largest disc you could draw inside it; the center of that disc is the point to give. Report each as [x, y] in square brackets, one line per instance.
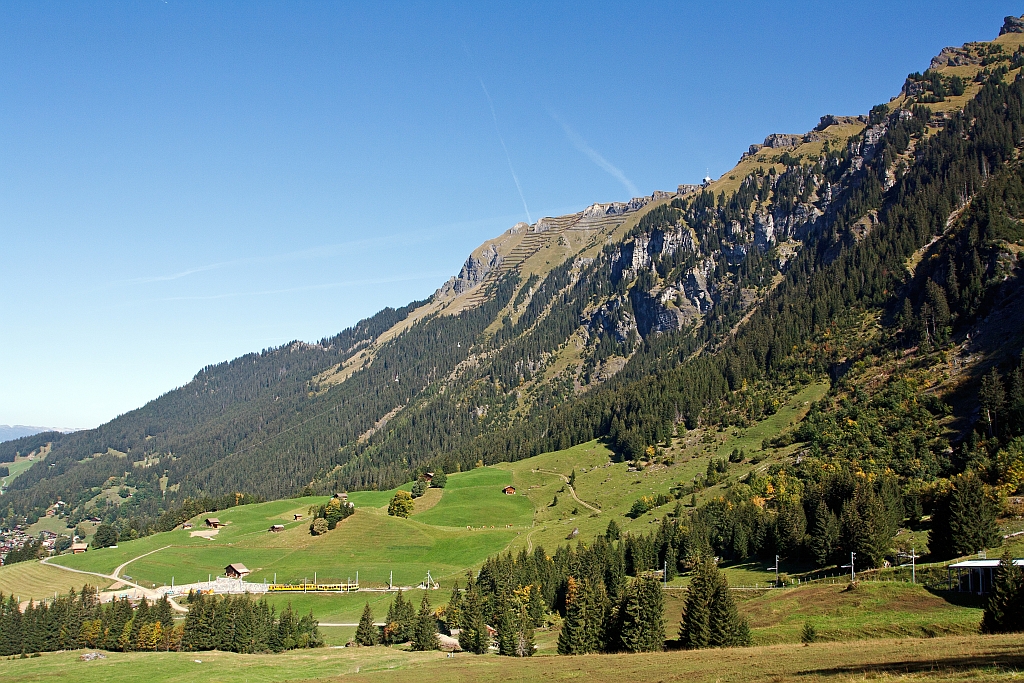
[16, 538]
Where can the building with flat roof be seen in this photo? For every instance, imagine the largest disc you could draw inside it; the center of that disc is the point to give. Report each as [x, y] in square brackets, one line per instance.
[974, 576]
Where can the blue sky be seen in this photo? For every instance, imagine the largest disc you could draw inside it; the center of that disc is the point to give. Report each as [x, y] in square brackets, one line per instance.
[184, 182]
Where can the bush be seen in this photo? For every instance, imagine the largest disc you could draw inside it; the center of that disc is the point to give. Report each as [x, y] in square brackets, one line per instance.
[318, 527]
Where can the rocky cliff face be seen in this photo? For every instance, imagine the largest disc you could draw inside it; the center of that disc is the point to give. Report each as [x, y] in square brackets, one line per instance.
[477, 267]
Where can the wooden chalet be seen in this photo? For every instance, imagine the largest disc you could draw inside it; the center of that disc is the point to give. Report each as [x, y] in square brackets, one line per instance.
[212, 522]
[236, 570]
[79, 548]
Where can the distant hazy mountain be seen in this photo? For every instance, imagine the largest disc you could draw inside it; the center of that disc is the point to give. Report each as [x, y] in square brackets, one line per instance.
[10, 432]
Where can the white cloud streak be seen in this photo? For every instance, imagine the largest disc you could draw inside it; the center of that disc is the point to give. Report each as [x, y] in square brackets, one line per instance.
[494, 116]
[579, 143]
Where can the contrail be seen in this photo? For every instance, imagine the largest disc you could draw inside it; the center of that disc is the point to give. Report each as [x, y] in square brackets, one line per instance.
[579, 143]
[507, 157]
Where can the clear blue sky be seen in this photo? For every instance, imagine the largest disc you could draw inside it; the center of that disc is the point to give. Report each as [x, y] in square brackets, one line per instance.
[184, 182]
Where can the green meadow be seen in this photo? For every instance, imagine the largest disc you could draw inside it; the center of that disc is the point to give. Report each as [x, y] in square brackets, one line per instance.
[453, 531]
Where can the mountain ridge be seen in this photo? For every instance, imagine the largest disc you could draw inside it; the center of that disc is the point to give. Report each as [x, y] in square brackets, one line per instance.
[539, 322]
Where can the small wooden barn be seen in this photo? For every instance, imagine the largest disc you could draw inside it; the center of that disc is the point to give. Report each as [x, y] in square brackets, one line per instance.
[276, 528]
[236, 571]
[212, 522]
[509, 490]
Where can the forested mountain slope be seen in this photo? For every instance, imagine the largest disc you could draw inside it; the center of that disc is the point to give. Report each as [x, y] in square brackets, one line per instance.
[863, 250]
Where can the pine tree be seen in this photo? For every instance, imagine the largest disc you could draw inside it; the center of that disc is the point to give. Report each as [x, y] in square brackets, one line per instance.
[824, 536]
[453, 610]
[727, 628]
[1003, 610]
[473, 636]
[992, 397]
[424, 635]
[642, 616]
[965, 521]
[536, 608]
[710, 617]
[695, 627]
[366, 632]
[515, 627]
[577, 635]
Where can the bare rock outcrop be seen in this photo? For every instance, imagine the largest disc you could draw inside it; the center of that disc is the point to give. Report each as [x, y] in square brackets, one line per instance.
[474, 270]
[1012, 24]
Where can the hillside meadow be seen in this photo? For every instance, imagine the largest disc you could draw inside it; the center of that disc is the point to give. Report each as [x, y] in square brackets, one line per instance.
[453, 530]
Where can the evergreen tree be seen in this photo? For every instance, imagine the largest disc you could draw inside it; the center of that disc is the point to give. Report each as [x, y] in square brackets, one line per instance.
[400, 620]
[439, 480]
[824, 536]
[366, 632]
[964, 521]
[535, 607]
[642, 616]
[424, 635]
[515, 628]
[1003, 609]
[473, 636]
[453, 611]
[579, 630]
[992, 397]
[710, 618]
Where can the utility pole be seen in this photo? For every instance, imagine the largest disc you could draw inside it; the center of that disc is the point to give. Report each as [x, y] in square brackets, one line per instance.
[853, 574]
[913, 564]
[776, 568]
[664, 575]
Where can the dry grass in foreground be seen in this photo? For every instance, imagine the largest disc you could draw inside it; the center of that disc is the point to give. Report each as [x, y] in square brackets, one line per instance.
[953, 658]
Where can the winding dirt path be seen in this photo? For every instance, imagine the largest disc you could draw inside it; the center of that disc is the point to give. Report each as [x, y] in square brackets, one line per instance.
[116, 577]
[571, 490]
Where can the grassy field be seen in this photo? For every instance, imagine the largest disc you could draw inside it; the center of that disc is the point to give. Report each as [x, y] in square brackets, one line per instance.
[612, 488]
[20, 464]
[453, 530]
[32, 580]
[370, 542]
[872, 610]
[954, 658]
[475, 499]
